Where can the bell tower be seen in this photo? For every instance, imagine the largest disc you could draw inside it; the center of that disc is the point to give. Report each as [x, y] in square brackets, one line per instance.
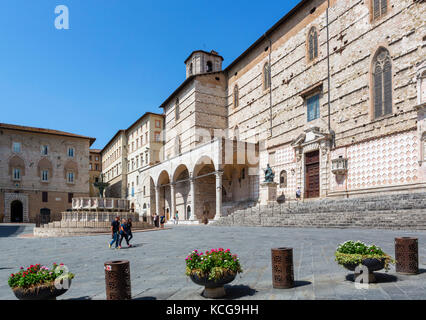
[203, 62]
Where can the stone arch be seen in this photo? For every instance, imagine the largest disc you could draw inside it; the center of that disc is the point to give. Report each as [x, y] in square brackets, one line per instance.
[201, 162]
[44, 164]
[71, 166]
[11, 197]
[16, 162]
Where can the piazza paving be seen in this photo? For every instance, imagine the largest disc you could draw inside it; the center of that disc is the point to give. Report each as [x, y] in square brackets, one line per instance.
[157, 262]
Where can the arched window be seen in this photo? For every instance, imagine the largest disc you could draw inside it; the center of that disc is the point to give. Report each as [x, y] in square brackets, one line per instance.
[313, 44]
[283, 179]
[209, 66]
[190, 69]
[379, 8]
[177, 111]
[266, 76]
[236, 98]
[382, 83]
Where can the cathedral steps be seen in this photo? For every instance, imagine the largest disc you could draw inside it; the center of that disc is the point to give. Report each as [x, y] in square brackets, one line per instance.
[399, 211]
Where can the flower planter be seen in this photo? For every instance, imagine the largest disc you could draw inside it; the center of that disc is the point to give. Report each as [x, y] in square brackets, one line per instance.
[371, 264]
[42, 292]
[213, 288]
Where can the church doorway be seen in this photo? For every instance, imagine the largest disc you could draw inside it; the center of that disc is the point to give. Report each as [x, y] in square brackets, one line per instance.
[16, 211]
[312, 174]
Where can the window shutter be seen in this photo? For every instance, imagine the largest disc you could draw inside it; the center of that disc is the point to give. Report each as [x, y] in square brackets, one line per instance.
[316, 106]
[387, 87]
[377, 91]
[384, 7]
[313, 107]
[376, 9]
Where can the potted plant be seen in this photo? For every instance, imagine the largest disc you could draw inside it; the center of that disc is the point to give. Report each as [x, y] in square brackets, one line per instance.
[213, 269]
[351, 254]
[40, 283]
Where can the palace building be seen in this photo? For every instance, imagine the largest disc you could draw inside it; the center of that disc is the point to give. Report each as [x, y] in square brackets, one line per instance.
[41, 171]
[332, 97]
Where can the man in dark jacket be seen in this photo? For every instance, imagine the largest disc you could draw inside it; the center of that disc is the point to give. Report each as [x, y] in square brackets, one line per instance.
[115, 227]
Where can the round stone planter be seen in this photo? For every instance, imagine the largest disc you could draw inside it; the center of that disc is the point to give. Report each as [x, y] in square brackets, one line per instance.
[42, 292]
[371, 264]
[213, 288]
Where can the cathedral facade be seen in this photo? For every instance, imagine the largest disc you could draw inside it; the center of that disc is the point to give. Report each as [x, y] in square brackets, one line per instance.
[332, 97]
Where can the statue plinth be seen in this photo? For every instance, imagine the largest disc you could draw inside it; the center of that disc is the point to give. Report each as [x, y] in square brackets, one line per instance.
[268, 192]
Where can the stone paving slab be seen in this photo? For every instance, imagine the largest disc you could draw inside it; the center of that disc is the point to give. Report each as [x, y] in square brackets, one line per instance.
[157, 263]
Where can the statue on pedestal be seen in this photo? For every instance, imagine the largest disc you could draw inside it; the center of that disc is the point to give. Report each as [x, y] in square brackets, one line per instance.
[269, 174]
[101, 185]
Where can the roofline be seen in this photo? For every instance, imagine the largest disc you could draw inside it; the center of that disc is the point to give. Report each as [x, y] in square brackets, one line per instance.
[143, 116]
[45, 131]
[267, 33]
[183, 84]
[213, 54]
[109, 142]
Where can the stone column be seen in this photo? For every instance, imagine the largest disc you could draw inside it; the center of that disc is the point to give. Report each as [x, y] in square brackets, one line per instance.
[173, 200]
[218, 195]
[157, 200]
[192, 193]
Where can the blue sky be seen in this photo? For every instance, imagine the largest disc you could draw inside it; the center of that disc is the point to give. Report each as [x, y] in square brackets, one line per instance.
[119, 59]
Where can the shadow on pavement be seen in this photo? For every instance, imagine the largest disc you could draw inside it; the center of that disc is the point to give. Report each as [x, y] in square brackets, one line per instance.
[380, 277]
[421, 271]
[80, 298]
[238, 291]
[301, 283]
[5, 268]
[7, 231]
[145, 298]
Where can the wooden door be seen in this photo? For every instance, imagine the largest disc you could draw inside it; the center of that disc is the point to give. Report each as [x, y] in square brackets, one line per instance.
[312, 175]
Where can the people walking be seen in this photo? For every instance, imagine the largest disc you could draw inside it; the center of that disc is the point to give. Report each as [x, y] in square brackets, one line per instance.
[115, 227]
[129, 229]
[123, 233]
[177, 217]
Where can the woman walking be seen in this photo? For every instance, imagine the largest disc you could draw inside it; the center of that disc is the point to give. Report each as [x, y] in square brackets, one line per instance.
[129, 229]
[123, 233]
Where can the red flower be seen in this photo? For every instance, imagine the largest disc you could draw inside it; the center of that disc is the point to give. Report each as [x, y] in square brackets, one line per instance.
[12, 275]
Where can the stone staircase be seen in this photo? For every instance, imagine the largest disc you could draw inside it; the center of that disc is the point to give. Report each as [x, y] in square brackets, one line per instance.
[397, 211]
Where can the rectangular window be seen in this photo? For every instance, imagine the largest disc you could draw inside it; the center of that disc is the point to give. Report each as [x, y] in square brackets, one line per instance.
[96, 158]
[313, 107]
[44, 196]
[96, 167]
[16, 174]
[137, 180]
[70, 196]
[157, 123]
[16, 147]
[157, 136]
[70, 177]
[44, 150]
[44, 175]
[90, 165]
[71, 152]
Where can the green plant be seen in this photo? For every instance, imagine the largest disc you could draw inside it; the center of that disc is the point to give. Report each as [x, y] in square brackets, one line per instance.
[354, 252]
[36, 275]
[214, 264]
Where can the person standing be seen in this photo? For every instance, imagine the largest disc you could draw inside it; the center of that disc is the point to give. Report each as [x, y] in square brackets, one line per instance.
[298, 193]
[123, 233]
[162, 221]
[129, 229]
[115, 226]
[156, 220]
[177, 217]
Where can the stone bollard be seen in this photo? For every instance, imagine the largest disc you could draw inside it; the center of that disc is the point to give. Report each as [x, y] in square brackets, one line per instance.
[117, 280]
[282, 268]
[407, 255]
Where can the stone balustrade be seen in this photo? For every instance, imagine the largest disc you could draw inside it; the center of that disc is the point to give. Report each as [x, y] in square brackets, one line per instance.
[97, 216]
[91, 203]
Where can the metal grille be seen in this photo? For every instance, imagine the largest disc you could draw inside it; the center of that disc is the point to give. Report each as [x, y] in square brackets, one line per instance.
[407, 255]
[282, 268]
[117, 280]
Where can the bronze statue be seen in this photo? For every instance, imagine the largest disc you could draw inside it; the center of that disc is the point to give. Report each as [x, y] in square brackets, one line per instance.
[101, 185]
[269, 174]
